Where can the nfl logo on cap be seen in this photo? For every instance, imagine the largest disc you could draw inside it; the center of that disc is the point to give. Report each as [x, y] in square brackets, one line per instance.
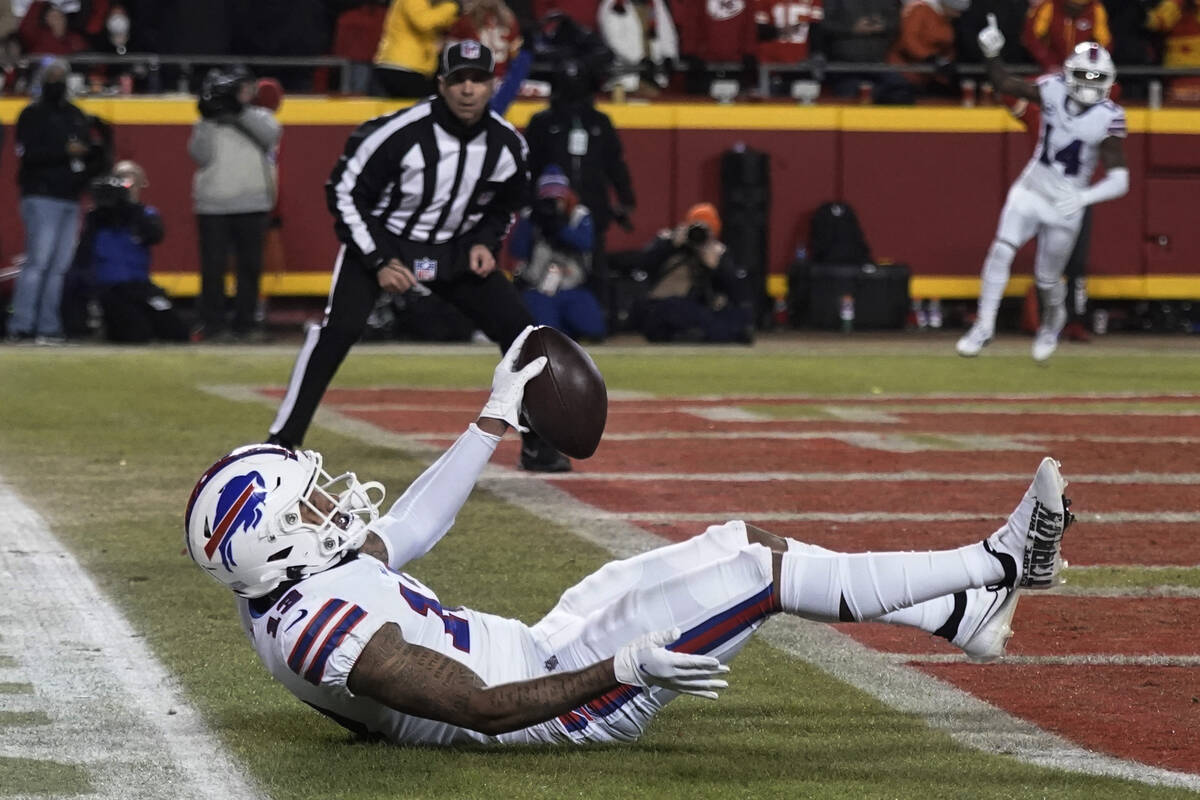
[468, 54]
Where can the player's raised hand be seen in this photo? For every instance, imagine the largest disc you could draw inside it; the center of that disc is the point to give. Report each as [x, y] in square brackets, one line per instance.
[508, 387]
[646, 661]
[991, 40]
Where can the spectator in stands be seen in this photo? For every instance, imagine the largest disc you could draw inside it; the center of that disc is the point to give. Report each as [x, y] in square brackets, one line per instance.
[115, 252]
[57, 158]
[786, 32]
[695, 293]
[583, 12]
[552, 240]
[44, 31]
[356, 37]
[9, 21]
[1010, 18]
[181, 26]
[1132, 44]
[1179, 20]
[492, 23]
[859, 31]
[234, 147]
[717, 40]
[927, 37]
[413, 34]
[573, 134]
[642, 36]
[1054, 27]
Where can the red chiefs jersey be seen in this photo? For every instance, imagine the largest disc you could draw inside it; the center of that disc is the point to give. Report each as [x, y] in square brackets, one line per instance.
[791, 20]
[1051, 33]
[717, 30]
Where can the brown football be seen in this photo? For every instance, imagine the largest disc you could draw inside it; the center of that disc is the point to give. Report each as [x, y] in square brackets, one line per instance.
[567, 404]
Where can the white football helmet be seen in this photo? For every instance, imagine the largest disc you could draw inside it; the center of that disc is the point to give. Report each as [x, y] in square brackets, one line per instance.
[255, 518]
[1089, 73]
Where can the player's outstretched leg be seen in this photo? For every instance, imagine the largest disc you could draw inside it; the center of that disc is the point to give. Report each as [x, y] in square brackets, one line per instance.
[966, 595]
[979, 620]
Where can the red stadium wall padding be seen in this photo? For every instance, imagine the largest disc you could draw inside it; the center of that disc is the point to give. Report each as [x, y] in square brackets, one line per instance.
[928, 198]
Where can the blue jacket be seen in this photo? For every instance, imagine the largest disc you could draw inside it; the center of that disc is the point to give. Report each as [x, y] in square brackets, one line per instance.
[116, 245]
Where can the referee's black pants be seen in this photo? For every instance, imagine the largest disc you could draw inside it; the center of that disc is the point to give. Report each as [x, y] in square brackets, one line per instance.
[490, 302]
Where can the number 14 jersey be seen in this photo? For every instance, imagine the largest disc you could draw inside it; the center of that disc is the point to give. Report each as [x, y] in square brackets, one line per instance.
[1069, 142]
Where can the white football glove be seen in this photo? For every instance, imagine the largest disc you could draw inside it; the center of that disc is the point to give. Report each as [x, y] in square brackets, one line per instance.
[991, 40]
[1070, 202]
[647, 662]
[508, 387]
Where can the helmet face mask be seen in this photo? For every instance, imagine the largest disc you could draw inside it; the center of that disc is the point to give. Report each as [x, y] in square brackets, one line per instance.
[1089, 74]
[263, 515]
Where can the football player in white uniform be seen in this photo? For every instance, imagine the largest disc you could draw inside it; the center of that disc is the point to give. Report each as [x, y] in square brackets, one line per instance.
[1080, 126]
[322, 596]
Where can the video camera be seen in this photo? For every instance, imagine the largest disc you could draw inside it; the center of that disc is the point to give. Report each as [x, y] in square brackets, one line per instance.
[112, 192]
[219, 91]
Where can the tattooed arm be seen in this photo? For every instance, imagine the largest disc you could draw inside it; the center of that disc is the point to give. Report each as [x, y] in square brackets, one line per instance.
[422, 682]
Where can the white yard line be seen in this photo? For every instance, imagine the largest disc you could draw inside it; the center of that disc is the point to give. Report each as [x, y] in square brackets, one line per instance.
[113, 709]
[965, 718]
[909, 476]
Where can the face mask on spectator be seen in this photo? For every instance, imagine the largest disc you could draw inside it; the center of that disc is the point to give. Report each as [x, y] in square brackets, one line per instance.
[118, 29]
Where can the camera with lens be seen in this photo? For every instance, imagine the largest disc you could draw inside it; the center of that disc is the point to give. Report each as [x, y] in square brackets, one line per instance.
[111, 192]
[219, 92]
[698, 234]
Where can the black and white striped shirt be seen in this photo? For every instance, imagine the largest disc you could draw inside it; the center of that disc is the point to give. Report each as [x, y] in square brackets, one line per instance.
[419, 175]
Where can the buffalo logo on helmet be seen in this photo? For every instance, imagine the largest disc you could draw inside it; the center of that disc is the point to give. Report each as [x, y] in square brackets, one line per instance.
[239, 506]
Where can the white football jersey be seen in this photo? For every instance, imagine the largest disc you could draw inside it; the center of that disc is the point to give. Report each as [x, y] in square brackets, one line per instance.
[311, 637]
[1069, 142]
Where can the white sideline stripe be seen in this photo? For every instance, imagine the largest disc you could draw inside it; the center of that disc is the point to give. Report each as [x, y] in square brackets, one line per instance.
[1086, 659]
[964, 717]
[114, 710]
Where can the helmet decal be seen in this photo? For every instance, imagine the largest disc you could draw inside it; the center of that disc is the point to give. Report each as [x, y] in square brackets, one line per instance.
[238, 506]
[295, 519]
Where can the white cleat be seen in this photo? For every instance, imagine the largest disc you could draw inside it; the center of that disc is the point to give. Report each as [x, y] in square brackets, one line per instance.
[1044, 344]
[1032, 536]
[1045, 341]
[986, 624]
[974, 340]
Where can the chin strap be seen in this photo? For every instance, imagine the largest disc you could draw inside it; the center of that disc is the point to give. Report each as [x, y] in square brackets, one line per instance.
[1114, 184]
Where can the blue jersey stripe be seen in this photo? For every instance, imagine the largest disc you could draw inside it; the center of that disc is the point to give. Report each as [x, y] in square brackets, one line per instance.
[304, 643]
[317, 670]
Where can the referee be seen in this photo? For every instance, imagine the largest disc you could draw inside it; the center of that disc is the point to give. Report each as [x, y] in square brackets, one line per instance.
[422, 199]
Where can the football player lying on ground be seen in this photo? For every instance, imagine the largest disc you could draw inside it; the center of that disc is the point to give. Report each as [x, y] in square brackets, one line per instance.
[322, 597]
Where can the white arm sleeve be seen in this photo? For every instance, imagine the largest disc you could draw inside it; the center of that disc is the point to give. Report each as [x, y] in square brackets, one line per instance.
[420, 518]
[1114, 184]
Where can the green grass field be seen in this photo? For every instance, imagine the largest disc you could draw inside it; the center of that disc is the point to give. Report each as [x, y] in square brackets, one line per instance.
[106, 444]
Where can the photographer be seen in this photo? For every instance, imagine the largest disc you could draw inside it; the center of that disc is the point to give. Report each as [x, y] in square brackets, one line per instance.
[114, 256]
[696, 293]
[553, 242]
[234, 147]
[579, 138]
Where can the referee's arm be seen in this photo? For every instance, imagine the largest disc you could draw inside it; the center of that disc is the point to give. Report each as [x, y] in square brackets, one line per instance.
[352, 192]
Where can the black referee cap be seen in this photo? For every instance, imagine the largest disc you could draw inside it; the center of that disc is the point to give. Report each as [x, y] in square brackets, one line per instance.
[468, 54]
